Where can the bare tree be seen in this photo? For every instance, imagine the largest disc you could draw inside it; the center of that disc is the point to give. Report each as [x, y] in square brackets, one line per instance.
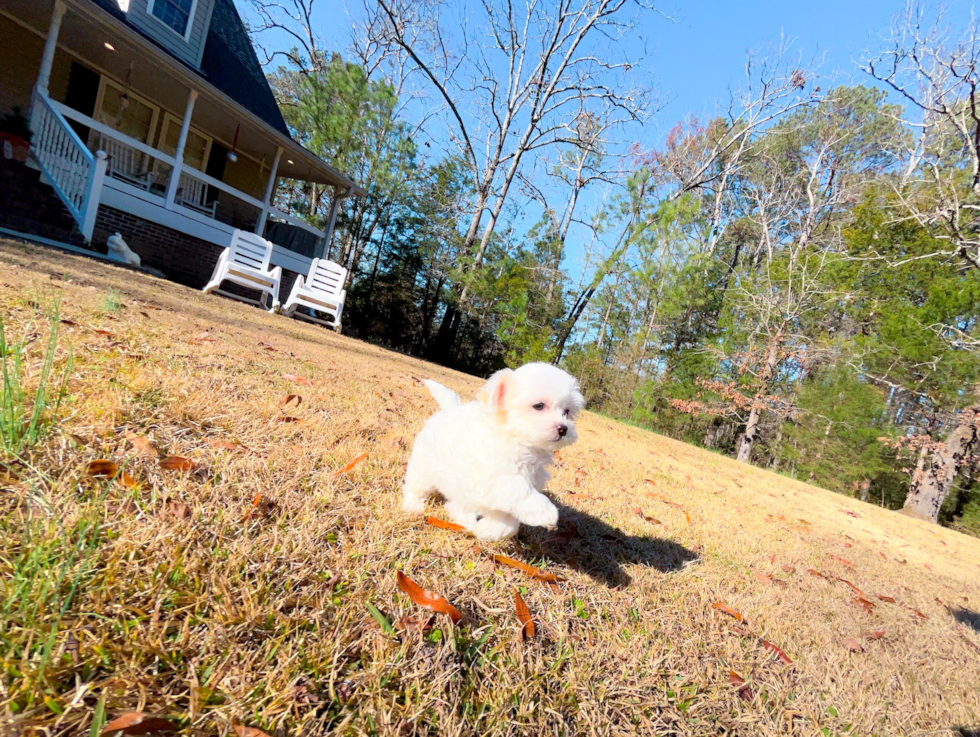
[938, 77]
[512, 79]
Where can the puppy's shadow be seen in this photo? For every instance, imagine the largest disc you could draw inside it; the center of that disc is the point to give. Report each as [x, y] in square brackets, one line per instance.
[596, 548]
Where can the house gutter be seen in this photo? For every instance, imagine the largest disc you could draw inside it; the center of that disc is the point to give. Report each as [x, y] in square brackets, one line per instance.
[196, 81]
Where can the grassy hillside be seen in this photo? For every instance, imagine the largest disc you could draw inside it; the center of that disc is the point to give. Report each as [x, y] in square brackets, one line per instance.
[257, 585]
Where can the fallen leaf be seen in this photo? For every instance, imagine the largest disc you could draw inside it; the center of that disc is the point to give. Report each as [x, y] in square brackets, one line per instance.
[443, 525]
[177, 463]
[524, 615]
[103, 332]
[862, 603]
[288, 418]
[814, 572]
[535, 573]
[178, 510]
[888, 599]
[297, 379]
[788, 568]
[136, 722]
[853, 588]
[249, 731]
[842, 561]
[426, 598]
[69, 323]
[853, 645]
[109, 470]
[408, 624]
[780, 653]
[291, 398]
[728, 610]
[849, 513]
[743, 690]
[639, 512]
[143, 446]
[876, 635]
[353, 463]
[223, 444]
[144, 314]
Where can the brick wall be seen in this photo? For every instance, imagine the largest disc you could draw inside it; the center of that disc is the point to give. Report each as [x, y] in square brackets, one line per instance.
[182, 258]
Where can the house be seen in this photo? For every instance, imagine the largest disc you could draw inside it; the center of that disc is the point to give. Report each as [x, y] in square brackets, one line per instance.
[152, 118]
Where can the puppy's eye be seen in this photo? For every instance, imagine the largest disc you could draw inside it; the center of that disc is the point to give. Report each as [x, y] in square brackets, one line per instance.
[564, 413]
[539, 406]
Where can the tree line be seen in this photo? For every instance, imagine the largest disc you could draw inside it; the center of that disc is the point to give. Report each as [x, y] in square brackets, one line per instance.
[793, 281]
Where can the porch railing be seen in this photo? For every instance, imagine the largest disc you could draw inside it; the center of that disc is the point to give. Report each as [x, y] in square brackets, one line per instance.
[198, 196]
[75, 173]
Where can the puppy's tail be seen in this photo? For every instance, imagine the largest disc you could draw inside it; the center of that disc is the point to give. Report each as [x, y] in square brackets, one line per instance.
[445, 398]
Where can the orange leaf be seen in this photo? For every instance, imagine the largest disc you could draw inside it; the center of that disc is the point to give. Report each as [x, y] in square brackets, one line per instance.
[843, 561]
[788, 568]
[443, 525]
[854, 588]
[143, 446]
[103, 332]
[876, 635]
[69, 323]
[535, 573]
[136, 722]
[223, 444]
[177, 463]
[353, 463]
[813, 572]
[853, 645]
[743, 691]
[639, 512]
[888, 599]
[780, 653]
[426, 598]
[862, 603]
[524, 614]
[727, 610]
[287, 418]
[298, 379]
[109, 470]
[291, 398]
[249, 731]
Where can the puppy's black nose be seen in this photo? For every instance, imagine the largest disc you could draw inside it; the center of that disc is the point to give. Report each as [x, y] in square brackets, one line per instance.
[562, 430]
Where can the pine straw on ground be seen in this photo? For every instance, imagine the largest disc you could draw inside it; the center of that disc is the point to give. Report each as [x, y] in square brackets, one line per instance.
[238, 593]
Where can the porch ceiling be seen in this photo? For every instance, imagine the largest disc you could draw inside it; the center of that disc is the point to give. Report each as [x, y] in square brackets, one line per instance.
[154, 74]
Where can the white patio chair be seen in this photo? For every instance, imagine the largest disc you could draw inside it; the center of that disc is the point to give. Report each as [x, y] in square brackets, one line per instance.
[246, 263]
[321, 290]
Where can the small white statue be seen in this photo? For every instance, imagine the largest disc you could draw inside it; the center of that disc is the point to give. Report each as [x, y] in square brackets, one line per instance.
[119, 251]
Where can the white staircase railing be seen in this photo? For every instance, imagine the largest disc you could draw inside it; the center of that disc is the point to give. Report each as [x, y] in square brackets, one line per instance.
[75, 173]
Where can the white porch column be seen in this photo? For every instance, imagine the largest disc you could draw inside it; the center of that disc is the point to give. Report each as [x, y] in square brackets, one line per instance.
[50, 44]
[331, 223]
[269, 190]
[185, 125]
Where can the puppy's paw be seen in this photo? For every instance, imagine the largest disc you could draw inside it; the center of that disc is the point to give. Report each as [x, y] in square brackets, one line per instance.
[496, 527]
[413, 504]
[538, 511]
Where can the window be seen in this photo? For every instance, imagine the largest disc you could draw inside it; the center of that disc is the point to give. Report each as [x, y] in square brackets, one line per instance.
[175, 14]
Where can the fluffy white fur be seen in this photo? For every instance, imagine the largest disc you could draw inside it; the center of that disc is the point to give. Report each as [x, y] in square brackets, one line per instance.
[489, 458]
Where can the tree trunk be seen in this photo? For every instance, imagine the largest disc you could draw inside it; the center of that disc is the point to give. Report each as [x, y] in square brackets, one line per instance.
[752, 424]
[936, 471]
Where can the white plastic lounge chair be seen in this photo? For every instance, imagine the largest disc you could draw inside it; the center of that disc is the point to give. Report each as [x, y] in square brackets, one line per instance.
[321, 290]
[246, 263]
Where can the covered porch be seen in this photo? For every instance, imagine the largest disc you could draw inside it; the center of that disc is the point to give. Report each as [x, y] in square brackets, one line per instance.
[121, 129]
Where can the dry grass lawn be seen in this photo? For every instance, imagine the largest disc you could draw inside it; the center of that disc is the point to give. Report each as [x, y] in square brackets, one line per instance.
[240, 592]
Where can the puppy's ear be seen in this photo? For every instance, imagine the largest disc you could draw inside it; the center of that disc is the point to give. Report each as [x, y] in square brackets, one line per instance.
[494, 393]
[578, 402]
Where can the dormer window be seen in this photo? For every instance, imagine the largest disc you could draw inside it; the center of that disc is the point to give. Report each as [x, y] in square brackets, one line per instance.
[175, 14]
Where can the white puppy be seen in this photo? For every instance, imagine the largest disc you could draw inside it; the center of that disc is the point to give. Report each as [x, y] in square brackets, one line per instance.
[490, 458]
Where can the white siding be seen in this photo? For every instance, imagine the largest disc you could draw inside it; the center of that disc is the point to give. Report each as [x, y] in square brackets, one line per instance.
[190, 50]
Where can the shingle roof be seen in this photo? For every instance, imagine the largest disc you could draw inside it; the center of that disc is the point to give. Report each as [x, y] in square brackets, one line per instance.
[229, 62]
